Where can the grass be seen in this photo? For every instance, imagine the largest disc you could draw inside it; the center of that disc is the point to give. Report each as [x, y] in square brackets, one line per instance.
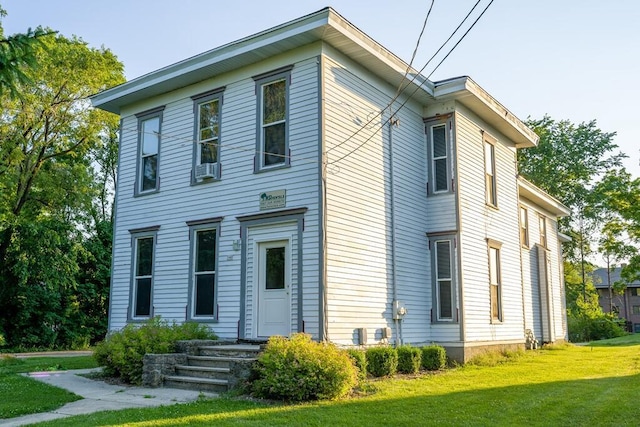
[22, 395]
[560, 385]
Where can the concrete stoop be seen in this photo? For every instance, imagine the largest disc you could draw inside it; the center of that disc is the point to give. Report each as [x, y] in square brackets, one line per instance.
[204, 366]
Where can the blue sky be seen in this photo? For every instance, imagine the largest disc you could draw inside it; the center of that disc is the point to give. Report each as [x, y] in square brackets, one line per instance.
[571, 59]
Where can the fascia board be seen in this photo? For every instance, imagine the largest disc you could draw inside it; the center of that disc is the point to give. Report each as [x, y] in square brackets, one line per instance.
[469, 93]
[539, 197]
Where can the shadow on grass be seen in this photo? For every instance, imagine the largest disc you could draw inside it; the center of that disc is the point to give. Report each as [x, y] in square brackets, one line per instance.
[601, 401]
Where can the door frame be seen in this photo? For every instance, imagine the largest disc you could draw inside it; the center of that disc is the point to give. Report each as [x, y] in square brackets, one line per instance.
[257, 272]
[275, 219]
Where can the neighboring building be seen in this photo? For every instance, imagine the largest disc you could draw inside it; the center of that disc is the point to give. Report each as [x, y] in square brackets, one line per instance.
[274, 185]
[627, 304]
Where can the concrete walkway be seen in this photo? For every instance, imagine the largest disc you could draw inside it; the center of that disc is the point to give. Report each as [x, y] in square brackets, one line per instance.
[100, 396]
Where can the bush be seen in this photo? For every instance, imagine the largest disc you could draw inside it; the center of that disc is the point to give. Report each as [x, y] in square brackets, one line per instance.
[598, 327]
[409, 359]
[359, 359]
[382, 361]
[299, 369]
[434, 357]
[121, 353]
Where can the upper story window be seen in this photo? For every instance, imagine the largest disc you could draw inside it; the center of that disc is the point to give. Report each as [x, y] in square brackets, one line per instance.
[524, 227]
[272, 145]
[491, 189]
[543, 230]
[439, 132]
[206, 156]
[148, 168]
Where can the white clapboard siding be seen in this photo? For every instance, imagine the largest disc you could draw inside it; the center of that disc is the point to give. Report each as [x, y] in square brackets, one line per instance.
[480, 222]
[235, 194]
[359, 268]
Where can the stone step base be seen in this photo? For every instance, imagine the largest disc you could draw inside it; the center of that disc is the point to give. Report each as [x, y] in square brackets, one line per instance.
[192, 383]
[216, 361]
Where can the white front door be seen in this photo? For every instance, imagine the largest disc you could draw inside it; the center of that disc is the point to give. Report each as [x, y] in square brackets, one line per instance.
[274, 283]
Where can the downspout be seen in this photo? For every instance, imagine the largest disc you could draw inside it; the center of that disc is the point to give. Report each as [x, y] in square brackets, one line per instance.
[393, 121]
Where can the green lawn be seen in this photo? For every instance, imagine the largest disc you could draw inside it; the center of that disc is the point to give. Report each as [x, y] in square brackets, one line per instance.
[573, 385]
[21, 395]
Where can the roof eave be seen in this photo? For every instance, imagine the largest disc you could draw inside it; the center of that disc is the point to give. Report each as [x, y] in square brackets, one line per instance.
[538, 196]
[470, 94]
[325, 25]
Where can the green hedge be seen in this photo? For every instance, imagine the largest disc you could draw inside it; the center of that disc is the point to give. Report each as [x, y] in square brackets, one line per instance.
[409, 359]
[299, 369]
[359, 359]
[121, 353]
[434, 357]
[382, 361]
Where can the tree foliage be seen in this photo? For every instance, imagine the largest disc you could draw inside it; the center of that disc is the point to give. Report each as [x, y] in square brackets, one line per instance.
[580, 165]
[54, 209]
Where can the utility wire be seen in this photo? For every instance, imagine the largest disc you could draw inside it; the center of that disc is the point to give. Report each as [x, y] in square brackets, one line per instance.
[415, 51]
[417, 88]
[390, 104]
[400, 87]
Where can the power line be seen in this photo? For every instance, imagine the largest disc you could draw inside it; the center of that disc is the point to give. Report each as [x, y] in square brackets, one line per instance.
[390, 104]
[430, 74]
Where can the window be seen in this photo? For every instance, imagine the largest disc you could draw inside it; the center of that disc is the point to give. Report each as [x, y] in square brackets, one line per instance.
[204, 249]
[444, 282]
[634, 292]
[490, 173]
[273, 111]
[495, 284]
[439, 154]
[206, 163]
[636, 309]
[543, 230]
[524, 227]
[143, 245]
[149, 131]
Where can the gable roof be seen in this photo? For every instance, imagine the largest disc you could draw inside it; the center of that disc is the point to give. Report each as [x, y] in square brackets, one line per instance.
[328, 26]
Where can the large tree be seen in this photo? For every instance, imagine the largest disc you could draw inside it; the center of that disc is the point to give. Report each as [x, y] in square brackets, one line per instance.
[17, 52]
[49, 134]
[580, 165]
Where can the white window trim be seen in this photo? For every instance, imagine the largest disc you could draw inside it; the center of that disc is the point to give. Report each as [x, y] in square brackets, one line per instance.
[524, 225]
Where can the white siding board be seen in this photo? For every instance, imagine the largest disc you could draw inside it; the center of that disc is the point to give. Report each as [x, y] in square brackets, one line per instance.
[358, 204]
[480, 222]
[235, 194]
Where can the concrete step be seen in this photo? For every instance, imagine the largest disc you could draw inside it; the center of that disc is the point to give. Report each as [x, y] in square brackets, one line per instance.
[235, 350]
[192, 383]
[202, 372]
[215, 361]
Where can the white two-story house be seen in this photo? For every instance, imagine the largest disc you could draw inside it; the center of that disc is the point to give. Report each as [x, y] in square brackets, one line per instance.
[277, 184]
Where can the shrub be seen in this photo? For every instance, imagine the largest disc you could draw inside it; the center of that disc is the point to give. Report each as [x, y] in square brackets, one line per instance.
[382, 361]
[299, 369]
[409, 359]
[121, 353]
[434, 357]
[359, 359]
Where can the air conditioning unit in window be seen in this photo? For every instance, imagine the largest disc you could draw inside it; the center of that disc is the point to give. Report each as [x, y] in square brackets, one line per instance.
[206, 170]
